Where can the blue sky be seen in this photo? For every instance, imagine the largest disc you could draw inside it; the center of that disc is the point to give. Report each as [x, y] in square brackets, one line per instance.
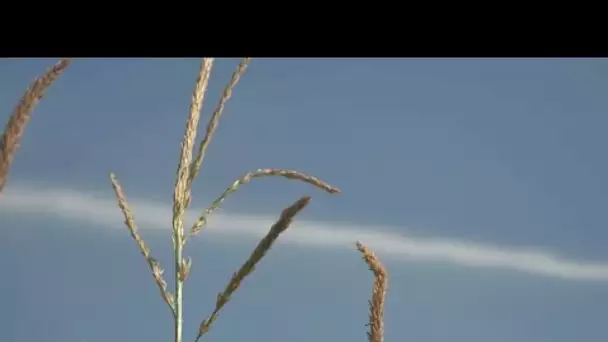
[480, 183]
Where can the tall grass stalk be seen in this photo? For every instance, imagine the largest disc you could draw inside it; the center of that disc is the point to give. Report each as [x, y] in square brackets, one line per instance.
[187, 171]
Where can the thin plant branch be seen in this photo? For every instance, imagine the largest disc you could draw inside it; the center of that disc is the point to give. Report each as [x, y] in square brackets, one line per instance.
[181, 194]
[248, 177]
[249, 266]
[15, 127]
[195, 166]
[157, 271]
[376, 304]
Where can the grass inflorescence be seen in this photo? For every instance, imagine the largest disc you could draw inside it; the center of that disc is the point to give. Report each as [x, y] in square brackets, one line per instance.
[188, 168]
[13, 131]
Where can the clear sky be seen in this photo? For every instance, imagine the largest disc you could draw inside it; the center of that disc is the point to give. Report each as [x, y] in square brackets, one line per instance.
[481, 184]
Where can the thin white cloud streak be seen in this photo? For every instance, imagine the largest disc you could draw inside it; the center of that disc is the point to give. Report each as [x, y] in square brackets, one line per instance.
[102, 211]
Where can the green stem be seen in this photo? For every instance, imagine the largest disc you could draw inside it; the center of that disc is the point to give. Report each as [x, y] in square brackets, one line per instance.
[179, 247]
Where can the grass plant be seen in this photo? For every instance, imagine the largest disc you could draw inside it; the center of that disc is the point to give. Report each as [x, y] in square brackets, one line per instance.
[188, 169]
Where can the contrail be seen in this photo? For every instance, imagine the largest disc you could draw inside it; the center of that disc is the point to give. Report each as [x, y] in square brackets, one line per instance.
[103, 211]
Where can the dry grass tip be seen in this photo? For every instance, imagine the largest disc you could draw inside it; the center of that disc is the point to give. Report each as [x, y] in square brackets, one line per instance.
[376, 304]
[248, 177]
[157, 271]
[9, 144]
[248, 267]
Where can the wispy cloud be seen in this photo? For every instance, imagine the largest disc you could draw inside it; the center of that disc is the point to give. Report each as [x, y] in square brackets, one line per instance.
[102, 212]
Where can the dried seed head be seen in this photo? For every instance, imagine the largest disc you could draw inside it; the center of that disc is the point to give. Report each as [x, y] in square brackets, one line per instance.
[184, 269]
